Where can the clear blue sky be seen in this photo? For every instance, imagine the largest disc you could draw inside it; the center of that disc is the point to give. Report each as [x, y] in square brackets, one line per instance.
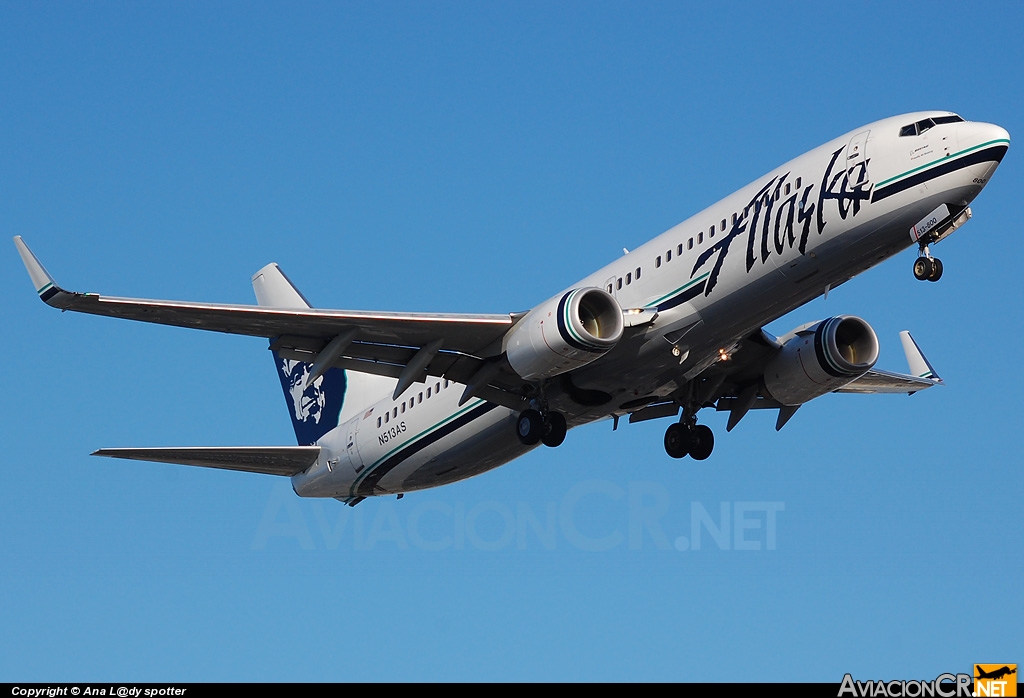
[479, 157]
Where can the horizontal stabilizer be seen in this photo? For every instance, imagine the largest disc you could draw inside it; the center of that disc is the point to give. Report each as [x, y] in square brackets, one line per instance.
[270, 460]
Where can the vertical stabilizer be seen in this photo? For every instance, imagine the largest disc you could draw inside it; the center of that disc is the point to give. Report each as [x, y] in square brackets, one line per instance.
[274, 290]
[332, 397]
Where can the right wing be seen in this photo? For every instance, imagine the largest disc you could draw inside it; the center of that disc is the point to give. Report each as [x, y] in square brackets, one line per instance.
[460, 346]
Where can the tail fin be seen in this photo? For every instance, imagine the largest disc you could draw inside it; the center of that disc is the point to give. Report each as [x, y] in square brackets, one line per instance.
[315, 408]
[333, 397]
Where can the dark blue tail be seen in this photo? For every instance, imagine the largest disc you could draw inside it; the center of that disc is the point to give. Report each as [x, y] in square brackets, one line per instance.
[314, 408]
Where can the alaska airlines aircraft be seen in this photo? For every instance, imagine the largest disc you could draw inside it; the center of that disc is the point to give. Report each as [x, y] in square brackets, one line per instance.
[385, 403]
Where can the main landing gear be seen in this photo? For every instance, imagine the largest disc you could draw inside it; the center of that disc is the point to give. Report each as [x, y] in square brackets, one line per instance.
[687, 438]
[546, 427]
[926, 267]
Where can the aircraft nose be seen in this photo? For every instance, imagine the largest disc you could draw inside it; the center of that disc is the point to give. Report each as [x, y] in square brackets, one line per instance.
[972, 134]
[982, 147]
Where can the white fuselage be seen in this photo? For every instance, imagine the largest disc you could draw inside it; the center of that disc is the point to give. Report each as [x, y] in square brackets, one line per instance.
[767, 249]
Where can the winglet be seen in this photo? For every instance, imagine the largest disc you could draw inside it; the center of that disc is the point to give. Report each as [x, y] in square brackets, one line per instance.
[919, 365]
[41, 279]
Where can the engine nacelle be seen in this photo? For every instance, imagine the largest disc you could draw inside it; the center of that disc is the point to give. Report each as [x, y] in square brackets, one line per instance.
[564, 333]
[820, 358]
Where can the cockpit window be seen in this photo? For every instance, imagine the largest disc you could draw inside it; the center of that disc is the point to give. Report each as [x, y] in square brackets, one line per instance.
[925, 124]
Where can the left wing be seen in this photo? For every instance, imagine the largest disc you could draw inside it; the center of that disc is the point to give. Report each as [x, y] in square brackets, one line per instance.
[922, 375]
[876, 381]
[736, 385]
[457, 346]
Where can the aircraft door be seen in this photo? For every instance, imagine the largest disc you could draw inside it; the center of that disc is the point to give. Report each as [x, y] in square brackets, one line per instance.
[351, 449]
[856, 160]
[609, 286]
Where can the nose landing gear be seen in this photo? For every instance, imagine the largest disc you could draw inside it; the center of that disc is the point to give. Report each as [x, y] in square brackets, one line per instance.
[926, 267]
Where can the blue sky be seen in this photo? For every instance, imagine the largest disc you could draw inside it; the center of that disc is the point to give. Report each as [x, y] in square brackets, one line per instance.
[478, 157]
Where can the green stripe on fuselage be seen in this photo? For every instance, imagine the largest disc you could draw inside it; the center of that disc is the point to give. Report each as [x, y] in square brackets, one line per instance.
[941, 160]
[679, 290]
[396, 449]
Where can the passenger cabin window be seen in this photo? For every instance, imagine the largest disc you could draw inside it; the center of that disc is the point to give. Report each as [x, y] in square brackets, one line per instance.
[378, 421]
[629, 277]
[618, 284]
[657, 262]
[668, 256]
[711, 233]
[689, 244]
[679, 250]
[723, 225]
[700, 237]
[638, 273]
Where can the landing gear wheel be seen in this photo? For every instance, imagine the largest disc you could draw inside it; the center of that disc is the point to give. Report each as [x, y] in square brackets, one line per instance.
[529, 427]
[677, 441]
[703, 442]
[554, 429]
[924, 268]
[936, 270]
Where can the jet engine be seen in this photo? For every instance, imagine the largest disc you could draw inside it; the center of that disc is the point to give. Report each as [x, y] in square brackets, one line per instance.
[564, 333]
[819, 358]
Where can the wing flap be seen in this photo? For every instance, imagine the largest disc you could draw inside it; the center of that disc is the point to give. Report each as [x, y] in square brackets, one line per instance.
[269, 460]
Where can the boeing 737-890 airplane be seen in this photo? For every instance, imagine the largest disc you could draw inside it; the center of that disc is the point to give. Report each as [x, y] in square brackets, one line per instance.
[385, 403]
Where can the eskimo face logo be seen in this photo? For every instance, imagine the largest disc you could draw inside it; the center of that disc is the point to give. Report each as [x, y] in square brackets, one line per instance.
[307, 401]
